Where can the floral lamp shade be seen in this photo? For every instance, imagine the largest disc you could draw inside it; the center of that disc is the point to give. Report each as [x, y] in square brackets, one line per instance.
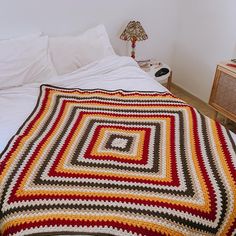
[134, 32]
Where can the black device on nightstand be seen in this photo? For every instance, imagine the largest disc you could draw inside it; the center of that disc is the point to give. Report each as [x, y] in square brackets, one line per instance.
[161, 72]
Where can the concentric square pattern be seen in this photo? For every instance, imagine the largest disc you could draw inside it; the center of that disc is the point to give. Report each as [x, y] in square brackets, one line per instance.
[142, 163]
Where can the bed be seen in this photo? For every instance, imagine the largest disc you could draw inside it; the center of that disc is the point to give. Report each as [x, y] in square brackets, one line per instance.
[106, 150]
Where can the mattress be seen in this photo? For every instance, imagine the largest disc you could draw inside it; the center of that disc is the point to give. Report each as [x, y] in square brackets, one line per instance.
[108, 151]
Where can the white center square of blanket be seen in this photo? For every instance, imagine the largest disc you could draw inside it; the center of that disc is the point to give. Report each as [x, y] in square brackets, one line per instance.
[119, 143]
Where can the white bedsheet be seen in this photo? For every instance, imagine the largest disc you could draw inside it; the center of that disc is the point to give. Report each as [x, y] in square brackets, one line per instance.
[111, 73]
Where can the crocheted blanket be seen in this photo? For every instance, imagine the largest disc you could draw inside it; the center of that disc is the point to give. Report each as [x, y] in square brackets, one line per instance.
[117, 163]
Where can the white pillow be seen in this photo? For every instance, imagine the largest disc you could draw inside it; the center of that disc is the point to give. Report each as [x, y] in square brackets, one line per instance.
[24, 60]
[72, 52]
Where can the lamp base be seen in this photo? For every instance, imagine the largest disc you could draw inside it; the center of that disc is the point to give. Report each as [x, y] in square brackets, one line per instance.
[133, 45]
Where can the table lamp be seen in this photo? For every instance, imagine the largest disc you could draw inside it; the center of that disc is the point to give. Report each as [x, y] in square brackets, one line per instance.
[134, 32]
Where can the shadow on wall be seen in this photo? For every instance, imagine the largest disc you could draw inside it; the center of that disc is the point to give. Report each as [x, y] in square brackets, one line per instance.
[193, 73]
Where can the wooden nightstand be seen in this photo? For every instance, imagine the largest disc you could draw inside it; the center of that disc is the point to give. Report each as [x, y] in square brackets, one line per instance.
[223, 93]
[152, 67]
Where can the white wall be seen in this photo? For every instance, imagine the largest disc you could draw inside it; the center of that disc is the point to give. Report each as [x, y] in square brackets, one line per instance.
[206, 35]
[60, 17]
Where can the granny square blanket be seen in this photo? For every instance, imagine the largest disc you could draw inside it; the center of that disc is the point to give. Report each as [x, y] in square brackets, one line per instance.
[96, 162]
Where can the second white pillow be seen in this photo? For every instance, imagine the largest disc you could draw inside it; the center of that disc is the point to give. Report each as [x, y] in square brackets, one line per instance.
[72, 52]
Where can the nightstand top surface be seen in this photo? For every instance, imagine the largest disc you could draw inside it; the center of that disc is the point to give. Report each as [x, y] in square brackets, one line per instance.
[152, 66]
[230, 68]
